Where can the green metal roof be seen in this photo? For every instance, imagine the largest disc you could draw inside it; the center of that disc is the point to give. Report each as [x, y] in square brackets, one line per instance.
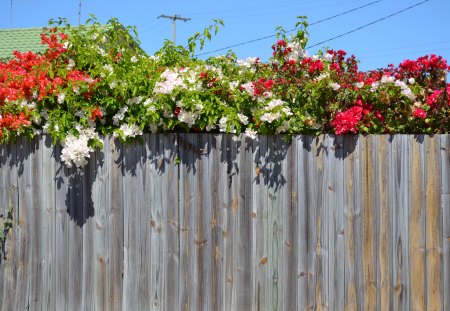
[20, 39]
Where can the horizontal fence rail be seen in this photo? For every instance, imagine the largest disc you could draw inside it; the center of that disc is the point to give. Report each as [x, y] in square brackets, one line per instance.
[218, 222]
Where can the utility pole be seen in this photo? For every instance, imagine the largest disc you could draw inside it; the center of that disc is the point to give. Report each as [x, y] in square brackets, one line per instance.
[174, 19]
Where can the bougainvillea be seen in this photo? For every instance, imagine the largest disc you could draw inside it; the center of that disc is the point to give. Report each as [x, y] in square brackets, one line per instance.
[94, 80]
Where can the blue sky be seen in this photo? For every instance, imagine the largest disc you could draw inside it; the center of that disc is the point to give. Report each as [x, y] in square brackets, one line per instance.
[422, 30]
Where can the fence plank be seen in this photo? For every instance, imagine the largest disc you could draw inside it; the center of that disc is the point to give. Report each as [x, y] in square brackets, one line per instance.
[289, 211]
[417, 227]
[433, 225]
[334, 166]
[218, 223]
[115, 222]
[244, 224]
[61, 286]
[445, 204]
[262, 277]
[134, 235]
[47, 212]
[352, 223]
[400, 175]
[29, 268]
[304, 223]
[168, 153]
[9, 195]
[384, 257]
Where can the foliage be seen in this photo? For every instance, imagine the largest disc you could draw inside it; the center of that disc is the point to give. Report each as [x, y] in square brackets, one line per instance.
[6, 223]
[95, 80]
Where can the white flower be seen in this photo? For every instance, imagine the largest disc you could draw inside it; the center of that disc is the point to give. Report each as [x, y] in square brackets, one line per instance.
[387, 79]
[359, 84]
[249, 88]
[134, 59]
[71, 64]
[76, 150]
[248, 62]
[270, 117]
[153, 128]
[134, 101]
[187, 117]
[411, 80]
[400, 84]
[243, 118]
[287, 111]
[210, 127]
[198, 107]
[375, 86]
[113, 84]
[101, 51]
[61, 97]
[250, 133]
[328, 57]
[233, 85]
[119, 115]
[274, 103]
[172, 80]
[283, 127]
[223, 124]
[322, 76]
[334, 86]
[408, 93]
[130, 130]
[109, 68]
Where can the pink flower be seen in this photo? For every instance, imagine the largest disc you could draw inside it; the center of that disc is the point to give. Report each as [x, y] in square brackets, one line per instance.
[420, 113]
[347, 121]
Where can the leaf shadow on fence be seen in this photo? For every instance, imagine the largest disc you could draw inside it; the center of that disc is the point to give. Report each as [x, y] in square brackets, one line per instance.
[13, 157]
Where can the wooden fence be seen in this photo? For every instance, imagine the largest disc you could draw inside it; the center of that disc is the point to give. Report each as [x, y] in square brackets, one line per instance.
[211, 222]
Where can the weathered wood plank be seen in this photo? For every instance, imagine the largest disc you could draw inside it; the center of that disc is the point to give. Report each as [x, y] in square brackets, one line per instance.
[157, 221]
[334, 166]
[169, 168]
[368, 233]
[445, 204]
[9, 195]
[384, 224]
[322, 246]
[434, 228]
[190, 213]
[218, 168]
[115, 223]
[289, 211]
[274, 162]
[400, 194]
[417, 226]
[304, 223]
[28, 153]
[229, 154]
[353, 298]
[260, 210]
[244, 221]
[318, 296]
[47, 217]
[62, 222]
[134, 248]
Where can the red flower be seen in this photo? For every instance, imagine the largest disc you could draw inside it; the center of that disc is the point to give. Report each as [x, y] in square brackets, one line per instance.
[96, 113]
[420, 113]
[347, 121]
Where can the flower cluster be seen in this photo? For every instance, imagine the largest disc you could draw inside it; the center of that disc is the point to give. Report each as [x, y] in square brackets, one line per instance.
[94, 80]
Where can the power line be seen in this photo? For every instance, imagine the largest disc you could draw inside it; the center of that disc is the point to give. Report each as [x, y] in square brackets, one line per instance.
[369, 24]
[272, 36]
